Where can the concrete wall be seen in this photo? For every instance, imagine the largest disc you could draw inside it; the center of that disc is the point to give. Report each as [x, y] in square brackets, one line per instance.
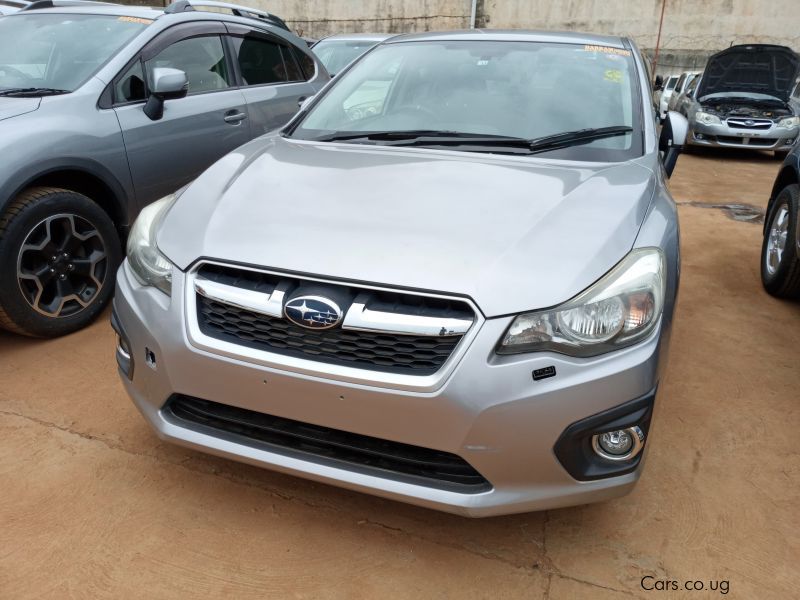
[700, 25]
[316, 18]
[693, 29]
[708, 25]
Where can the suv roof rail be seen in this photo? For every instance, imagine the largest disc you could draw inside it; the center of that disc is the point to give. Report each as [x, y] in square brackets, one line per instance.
[37, 4]
[236, 9]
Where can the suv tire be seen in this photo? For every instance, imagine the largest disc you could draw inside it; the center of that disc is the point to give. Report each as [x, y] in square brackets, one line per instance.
[780, 263]
[59, 253]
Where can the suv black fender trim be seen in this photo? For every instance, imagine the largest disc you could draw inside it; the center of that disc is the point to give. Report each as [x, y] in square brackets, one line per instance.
[120, 206]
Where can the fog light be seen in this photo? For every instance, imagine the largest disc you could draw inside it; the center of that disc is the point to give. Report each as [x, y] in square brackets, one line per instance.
[622, 444]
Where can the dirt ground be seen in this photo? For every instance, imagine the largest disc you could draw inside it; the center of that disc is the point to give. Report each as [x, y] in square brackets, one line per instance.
[93, 505]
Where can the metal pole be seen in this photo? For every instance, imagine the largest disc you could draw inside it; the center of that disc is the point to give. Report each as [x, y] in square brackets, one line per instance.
[658, 39]
[473, 14]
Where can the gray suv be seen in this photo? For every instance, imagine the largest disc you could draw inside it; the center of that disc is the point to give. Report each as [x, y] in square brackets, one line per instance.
[461, 298]
[104, 109]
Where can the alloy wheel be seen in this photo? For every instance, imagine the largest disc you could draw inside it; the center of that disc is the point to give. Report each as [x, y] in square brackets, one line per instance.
[62, 265]
[776, 242]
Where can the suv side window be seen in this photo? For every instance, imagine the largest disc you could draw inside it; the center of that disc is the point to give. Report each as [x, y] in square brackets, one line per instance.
[306, 63]
[201, 58]
[293, 71]
[260, 60]
[131, 87]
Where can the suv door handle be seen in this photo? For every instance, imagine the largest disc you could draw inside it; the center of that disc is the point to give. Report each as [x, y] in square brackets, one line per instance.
[234, 117]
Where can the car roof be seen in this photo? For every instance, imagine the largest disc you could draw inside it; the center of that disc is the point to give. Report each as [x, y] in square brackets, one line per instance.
[356, 37]
[113, 10]
[158, 13]
[514, 35]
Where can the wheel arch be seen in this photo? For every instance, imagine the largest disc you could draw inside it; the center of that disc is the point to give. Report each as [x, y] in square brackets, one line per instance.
[84, 177]
[788, 175]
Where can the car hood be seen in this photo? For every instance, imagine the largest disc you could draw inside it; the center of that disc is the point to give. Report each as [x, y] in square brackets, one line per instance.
[511, 234]
[754, 69]
[13, 107]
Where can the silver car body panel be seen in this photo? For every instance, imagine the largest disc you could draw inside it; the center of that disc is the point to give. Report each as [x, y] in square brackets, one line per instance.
[504, 219]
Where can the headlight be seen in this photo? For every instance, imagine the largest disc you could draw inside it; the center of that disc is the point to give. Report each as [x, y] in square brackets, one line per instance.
[789, 122]
[706, 118]
[617, 311]
[146, 261]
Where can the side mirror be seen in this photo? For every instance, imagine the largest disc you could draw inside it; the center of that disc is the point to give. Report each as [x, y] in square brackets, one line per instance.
[658, 84]
[168, 84]
[672, 139]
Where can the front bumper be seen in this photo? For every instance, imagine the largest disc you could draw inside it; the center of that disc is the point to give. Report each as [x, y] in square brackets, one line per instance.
[725, 136]
[488, 411]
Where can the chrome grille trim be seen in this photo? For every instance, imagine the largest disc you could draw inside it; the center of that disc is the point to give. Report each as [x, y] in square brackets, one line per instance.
[357, 318]
[313, 369]
[757, 124]
[258, 302]
[360, 318]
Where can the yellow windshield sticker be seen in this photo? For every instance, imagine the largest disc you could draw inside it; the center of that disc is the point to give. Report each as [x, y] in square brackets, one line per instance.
[607, 50]
[138, 20]
[614, 75]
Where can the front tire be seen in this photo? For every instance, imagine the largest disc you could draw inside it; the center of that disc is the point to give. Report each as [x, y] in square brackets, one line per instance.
[780, 263]
[59, 253]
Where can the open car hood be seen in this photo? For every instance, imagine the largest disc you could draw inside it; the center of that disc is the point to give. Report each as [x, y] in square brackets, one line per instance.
[752, 69]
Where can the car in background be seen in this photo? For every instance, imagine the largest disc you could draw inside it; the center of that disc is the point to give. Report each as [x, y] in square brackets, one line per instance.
[680, 86]
[338, 51]
[747, 98]
[685, 101]
[11, 6]
[387, 303]
[663, 95]
[780, 251]
[106, 108]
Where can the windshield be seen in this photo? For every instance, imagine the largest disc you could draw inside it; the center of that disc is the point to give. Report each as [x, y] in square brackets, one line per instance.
[337, 54]
[671, 83]
[517, 89]
[59, 51]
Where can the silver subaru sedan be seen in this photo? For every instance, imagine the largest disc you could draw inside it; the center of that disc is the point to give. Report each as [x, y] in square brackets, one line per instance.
[449, 280]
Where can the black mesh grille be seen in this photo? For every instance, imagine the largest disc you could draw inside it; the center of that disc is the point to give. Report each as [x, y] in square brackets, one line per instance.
[422, 466]
[410, 354]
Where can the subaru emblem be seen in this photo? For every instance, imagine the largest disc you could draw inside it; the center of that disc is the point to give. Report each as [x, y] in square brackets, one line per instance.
[313, 312]
[749, 122]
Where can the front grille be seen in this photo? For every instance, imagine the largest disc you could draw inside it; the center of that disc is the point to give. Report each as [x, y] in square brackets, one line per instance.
[743, 123]
[315, 443]
[376, 351]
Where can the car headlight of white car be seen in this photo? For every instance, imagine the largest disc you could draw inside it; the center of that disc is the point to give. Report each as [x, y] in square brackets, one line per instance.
[789, 122]
[706, 118]
[620, 309]
[146, 261]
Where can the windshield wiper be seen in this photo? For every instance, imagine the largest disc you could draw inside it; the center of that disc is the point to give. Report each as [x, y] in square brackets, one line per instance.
[410, 135]
[33, 91]
[576, 138]
[425, 137]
